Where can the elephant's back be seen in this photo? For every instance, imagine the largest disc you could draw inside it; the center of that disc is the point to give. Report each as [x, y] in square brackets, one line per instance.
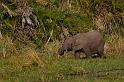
[90, 39]
[89, 36]
[93, 34]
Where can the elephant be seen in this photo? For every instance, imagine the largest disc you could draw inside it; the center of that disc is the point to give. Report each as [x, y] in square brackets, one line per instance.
[90, 43]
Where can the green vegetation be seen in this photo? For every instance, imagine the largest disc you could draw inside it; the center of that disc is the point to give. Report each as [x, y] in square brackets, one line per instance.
[20, 69]
[30, 37]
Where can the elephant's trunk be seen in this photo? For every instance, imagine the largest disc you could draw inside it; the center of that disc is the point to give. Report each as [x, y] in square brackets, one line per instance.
[61, 51]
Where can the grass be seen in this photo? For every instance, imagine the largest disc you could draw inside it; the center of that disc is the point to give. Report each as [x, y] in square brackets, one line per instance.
[61, 69]
[46, 66]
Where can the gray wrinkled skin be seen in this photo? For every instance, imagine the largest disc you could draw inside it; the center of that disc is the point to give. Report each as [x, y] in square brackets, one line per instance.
[89, 43]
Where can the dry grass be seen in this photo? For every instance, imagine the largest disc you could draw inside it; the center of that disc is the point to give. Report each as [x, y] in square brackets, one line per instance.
[31, 58]
[114, 45]
[28, 56]
[52, 47]
[7, 47]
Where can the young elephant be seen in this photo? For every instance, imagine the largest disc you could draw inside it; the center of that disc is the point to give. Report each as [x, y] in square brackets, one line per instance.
[90, 43]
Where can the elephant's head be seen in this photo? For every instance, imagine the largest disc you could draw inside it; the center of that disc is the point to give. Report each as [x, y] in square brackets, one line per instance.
[66, 46]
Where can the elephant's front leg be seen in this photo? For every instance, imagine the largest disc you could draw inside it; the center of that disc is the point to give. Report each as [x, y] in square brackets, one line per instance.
[77, 54]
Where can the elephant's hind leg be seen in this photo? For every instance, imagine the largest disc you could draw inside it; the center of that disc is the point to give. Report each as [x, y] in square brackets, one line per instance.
[101, 51]
[101, 55]
[88, 53]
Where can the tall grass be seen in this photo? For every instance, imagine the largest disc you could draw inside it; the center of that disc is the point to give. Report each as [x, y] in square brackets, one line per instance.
[114, 45]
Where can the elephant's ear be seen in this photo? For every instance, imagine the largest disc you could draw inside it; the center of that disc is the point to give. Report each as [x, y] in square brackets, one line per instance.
[77, 47]
[65, 34]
